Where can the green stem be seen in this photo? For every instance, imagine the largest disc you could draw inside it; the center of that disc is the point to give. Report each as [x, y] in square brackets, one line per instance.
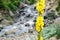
[38, 35]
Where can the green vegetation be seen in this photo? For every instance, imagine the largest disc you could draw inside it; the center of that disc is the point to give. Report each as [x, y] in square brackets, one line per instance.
[58, 7]
[12, 4]
[58, 31]
[51, 16]
[9, 4]
[51, 30]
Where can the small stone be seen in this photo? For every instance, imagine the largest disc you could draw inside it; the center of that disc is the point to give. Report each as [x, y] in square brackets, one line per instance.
[23, 14]
[34, 20]
[28, 16]
[27, 24]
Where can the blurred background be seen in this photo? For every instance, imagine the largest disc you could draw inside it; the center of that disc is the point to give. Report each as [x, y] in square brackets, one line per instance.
[18, 17]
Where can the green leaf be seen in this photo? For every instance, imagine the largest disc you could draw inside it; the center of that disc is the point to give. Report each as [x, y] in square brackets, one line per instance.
[49, 31]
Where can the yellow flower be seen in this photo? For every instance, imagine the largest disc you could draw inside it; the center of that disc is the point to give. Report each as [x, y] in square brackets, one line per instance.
[41, 38]
[39, 23]
[42, 1]
[40, 6]
[40, 20]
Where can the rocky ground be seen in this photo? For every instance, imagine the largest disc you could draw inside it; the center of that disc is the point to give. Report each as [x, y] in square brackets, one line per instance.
[23, 25]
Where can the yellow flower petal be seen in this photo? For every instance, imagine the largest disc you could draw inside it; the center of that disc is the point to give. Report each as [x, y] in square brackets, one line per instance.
[41, 38]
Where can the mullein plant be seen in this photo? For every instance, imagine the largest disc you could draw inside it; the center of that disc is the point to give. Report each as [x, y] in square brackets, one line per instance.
[40, 20]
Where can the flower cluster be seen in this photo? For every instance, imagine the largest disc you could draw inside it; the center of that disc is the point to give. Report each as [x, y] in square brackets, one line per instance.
[40, 20]
[39, 23]
[40, 6]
